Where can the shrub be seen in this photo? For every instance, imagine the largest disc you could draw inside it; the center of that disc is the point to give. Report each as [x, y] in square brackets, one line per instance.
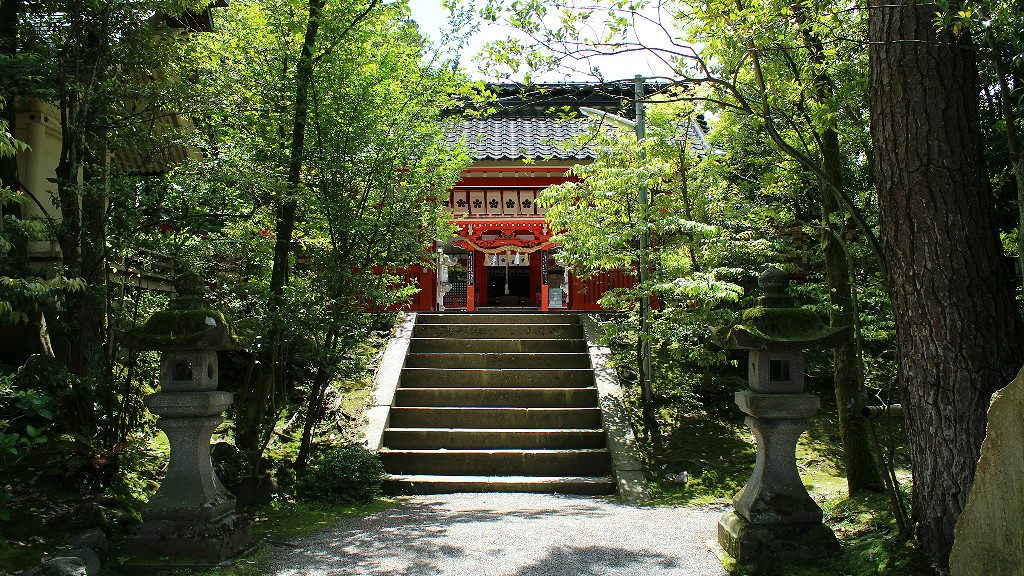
[342, 475]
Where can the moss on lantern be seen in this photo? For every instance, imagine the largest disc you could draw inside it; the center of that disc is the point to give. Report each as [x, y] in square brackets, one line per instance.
[789, 323]
[775, 323]
[182, 328]
[188, 322]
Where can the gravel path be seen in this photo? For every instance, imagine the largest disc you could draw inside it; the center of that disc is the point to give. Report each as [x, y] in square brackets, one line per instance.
[511, 535]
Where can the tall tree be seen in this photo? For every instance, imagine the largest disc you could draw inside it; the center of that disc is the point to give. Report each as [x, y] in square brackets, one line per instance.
[331, 147]
[958, 326]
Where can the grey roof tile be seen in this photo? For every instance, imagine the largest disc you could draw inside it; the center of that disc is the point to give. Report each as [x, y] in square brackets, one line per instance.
[518, 138]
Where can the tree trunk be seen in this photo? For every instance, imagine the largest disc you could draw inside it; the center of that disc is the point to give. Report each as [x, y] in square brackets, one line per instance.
[861, 468]
[90, 308]
[957, 325]
[315, 402]
[848, 374]
[263, 396]
[648, 407]
[81, 191]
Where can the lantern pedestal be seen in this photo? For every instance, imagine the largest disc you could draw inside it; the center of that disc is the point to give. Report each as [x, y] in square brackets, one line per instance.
[774, 516]
[748, 542]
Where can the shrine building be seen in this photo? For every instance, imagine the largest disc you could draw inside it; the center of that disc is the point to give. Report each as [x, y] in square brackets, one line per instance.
[502, 255]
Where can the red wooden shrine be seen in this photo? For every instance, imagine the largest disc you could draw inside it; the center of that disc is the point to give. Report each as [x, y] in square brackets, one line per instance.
[502, 255]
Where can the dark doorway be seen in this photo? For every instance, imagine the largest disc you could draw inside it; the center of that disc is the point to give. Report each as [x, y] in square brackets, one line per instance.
[518, 286]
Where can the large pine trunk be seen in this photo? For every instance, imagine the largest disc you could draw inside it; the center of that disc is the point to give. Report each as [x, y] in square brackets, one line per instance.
[957, 325]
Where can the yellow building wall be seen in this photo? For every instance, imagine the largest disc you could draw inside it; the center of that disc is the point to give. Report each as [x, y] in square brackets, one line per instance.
[38, 126]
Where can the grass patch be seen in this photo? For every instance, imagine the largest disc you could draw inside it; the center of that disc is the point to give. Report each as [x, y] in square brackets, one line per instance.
[285, 521]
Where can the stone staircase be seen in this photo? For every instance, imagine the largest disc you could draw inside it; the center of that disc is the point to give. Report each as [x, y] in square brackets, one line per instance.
[496, 403]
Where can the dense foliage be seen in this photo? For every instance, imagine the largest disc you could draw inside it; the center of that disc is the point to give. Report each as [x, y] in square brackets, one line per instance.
[294, 159]
[341, 476]
[787, 86]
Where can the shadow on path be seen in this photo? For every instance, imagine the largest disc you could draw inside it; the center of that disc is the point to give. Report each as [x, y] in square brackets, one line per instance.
[509, 535]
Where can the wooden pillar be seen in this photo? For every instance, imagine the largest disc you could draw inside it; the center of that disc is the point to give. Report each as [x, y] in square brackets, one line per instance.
[470, 281]
[544, 280]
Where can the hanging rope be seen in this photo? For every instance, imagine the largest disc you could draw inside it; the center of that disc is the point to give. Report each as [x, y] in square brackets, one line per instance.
[506, 272]
[505, 249]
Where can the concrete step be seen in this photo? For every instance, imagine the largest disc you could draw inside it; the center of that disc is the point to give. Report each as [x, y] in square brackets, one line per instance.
[517, 397]
[567, 462]
[500, 331]
[447, 417]
[433, 484]
[510, 318]
[496, 345]
[496, 378]
[498, 360]
[482, 438]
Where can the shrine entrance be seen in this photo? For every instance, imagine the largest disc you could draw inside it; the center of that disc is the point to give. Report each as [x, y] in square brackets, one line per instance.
[510, 280]
[508, 260]
[508, 287]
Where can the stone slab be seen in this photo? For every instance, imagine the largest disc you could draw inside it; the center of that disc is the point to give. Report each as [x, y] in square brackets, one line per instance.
[777, 406]
[506, 462]
[385, 381]
[159, 545]
[498, 438]
[497, 345]
[183, 404]
[748, 542]
[447, 417]
[989, 535]
[497, 378]
[451, 484]
[497, 360]
[498, 397]
[570, 330]
[629, 475]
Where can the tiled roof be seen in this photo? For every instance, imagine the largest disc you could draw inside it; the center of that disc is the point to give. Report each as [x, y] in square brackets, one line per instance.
[519, 138]
[513, 138]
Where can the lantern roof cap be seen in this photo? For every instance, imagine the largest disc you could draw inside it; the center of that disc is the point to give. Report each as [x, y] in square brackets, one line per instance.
[777, 323]
[190, 322]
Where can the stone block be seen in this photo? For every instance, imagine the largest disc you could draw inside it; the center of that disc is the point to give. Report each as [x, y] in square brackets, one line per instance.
[89, 559]
[188, 370]
[166, 544]
[989, 535]
[776, 371]
[61, 566]
[93, 539]
[748, 542]
[777, 406]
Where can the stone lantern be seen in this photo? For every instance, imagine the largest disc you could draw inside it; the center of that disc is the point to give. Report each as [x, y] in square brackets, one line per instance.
[774, 516]
[191, 520]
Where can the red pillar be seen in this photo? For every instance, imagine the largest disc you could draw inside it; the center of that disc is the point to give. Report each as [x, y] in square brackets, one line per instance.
[543, 280]
[471, 281]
